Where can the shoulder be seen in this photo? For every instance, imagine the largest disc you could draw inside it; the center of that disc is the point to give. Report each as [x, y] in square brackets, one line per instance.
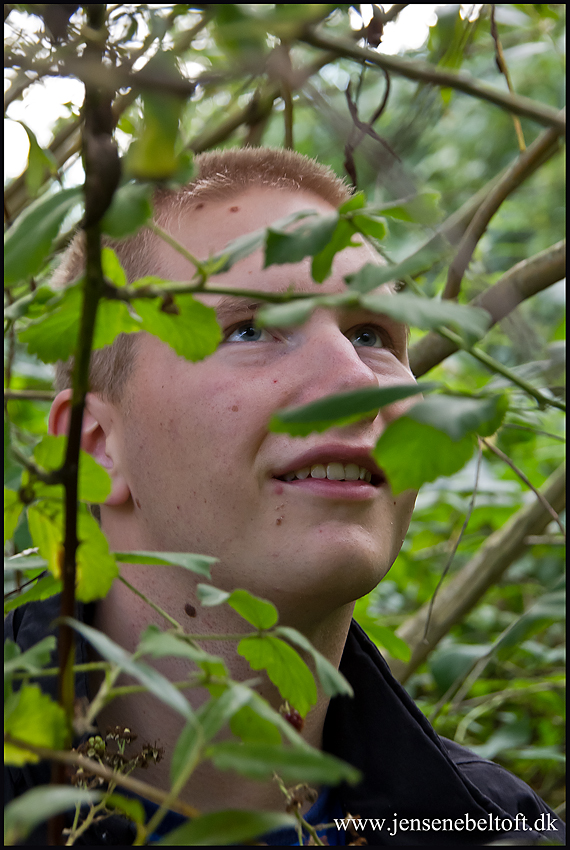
[501, 786]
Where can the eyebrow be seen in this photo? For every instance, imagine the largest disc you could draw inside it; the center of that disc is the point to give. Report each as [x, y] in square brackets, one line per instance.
[229, 306]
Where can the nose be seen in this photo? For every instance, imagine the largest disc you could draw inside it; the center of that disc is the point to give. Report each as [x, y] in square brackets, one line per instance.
[329, 363]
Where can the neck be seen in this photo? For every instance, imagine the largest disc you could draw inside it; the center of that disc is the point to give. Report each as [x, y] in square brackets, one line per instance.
[124, 616]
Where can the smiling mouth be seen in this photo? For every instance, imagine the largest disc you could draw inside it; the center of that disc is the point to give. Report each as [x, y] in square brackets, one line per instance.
[335, 471]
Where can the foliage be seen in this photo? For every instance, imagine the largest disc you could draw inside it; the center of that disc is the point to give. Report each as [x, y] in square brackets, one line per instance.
[183, 79]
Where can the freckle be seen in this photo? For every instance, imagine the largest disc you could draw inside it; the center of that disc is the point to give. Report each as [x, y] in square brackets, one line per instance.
[190, 610]
[199, 206]
[234, 209]
[394, 502]
[138, 503]
[177, 507]
[275, 380]
[235, 408]
[279, 520]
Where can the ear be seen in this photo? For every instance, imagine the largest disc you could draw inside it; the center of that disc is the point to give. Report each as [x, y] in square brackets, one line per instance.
[98, 437]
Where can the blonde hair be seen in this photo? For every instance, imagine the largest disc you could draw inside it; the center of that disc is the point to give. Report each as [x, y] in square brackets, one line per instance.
[219, 175]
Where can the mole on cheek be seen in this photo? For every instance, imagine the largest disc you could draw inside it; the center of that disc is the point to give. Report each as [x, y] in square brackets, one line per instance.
[235, 408]
[234, 209]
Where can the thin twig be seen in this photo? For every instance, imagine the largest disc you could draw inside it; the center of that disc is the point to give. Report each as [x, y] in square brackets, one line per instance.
[423, 72]
[502, 66]
[513, 177]
[29, 395]
[528, 483]
[456, 545]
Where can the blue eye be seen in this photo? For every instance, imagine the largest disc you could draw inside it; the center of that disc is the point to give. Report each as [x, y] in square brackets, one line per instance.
[246, 332]
[367, 337]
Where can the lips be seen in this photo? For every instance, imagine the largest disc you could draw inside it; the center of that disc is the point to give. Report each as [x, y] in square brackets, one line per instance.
[333, 463]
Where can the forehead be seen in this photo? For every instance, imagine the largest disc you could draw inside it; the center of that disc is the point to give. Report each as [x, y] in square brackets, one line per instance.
[206, 227]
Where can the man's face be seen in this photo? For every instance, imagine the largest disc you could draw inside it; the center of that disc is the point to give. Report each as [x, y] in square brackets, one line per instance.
[205, 473]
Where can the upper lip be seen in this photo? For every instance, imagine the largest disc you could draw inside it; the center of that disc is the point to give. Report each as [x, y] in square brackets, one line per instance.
[330, 454]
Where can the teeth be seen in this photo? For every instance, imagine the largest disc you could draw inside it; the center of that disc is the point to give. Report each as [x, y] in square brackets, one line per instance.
[334, 471]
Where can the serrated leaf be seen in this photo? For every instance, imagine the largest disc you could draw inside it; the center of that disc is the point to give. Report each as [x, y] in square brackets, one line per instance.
[35, 718]
[285, 668]
[12, 510]
[25, 813]
[32, 660]
[193, 332]
[341, 409]
[293, 246]
[154, 681]
[261, 761]
[130, 208]
[29, 241]
[429, 313]
[231, 826]
[412, 453]
[189, 561]
[259, 612]
[331, 679]
[44, 588]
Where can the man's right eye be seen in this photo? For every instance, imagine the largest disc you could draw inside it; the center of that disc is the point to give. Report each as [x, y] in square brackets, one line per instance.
[247, 332]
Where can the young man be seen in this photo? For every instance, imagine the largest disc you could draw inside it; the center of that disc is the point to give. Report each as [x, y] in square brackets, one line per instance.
[310, 524]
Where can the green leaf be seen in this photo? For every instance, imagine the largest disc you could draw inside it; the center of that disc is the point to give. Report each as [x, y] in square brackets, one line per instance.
[342, 238]
[372, 276]
[12, 510]
[341, 409]
[35, 718]
[356, 202]
[129, 806]
[96, 567]
[29, 240]
[187, 751]
[154, 681]
[245, 245]
[231, 826]
[370, 225]
[214, 714]
[261, 761]
[259, 612]
[157, 643]
[44, 588]
[25, 813]
[41, 164]
[193, 331]
[94, 482]
[429, 313]
[298, 311]
[210, 596]
[331, 679]
[411, 453]
[285, 668]
[307, 240]
[251, 728]
[195, 563]
[459, 416]
[112, 268]
[387, 638]
[33, 659]
[448, 663]
[130, 208]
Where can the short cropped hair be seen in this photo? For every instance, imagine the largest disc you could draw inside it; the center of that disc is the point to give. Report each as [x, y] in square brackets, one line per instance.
[219, 175]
